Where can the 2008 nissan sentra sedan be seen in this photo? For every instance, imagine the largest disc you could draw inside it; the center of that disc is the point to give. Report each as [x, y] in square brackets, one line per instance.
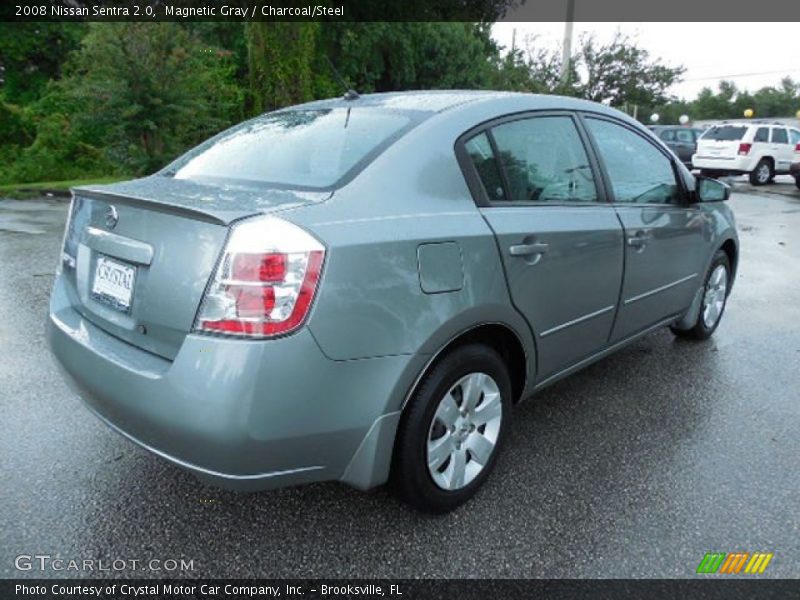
[361, 289]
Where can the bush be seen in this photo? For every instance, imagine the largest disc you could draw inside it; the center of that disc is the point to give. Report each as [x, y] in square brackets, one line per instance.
[57, 154]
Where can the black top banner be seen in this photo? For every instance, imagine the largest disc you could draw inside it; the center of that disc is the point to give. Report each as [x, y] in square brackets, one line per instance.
[402, 10]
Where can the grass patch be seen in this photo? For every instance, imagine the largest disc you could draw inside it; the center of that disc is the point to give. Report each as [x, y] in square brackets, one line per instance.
[57, 186]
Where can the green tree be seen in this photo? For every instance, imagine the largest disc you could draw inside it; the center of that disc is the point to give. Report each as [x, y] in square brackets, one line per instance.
[620, 72]
[535, 69]
[295, 62]
[729, 102]
[147, 91]
[782, 101]
[31, 54]
[385, 57]
[710, 105]
[280, 59]
[227, 36]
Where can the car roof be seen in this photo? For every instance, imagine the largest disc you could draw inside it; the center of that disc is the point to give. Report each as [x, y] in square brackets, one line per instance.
[434, 101]
[750, 124]
[665, 127]
[428, 101]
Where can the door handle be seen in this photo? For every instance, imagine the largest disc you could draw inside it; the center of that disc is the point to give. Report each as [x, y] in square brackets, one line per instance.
[529, 249]
[639, 239]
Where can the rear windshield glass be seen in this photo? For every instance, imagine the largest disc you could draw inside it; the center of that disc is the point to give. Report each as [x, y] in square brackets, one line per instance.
[302, 148]
[724, 133]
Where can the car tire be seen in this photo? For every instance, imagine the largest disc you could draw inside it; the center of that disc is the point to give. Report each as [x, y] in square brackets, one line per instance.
[763, 173]
[715, 297]
[797, 182]
[445, 449]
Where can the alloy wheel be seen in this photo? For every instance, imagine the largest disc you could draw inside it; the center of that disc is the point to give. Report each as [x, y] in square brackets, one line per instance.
[763, 173]
[464, 431]
[715, 295]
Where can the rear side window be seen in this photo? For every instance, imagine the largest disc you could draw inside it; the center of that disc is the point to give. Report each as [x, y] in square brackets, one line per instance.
[779, 136]
[762, 135]
[544, 160]
[724, 133]
[480, 152]
[685, 136]
[305, 148]
[667, 135]
[638, 171]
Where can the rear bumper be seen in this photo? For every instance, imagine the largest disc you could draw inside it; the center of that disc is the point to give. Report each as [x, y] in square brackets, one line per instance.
[733, 164]
[239, 413]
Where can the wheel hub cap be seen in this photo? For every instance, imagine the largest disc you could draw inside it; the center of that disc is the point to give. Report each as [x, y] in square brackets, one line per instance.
[715, 294]
[464, 431]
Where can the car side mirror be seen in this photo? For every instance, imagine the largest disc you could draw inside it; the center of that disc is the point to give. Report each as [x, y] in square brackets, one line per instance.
[711, 190]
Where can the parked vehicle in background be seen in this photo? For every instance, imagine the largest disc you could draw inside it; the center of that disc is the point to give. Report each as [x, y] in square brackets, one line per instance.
[759, 149]
[360, 289]
[681, 140]
[794, 170]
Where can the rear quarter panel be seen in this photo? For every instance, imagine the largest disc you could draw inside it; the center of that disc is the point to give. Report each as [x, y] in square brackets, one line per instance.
[371, 302]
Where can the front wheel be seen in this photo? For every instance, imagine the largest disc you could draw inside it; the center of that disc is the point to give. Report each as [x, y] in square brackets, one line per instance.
[715, 296]
[452, 430]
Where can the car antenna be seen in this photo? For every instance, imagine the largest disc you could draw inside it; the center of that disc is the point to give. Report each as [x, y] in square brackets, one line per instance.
[350, 93]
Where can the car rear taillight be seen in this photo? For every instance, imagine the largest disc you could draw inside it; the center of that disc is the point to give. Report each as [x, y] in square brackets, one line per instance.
[744, 149]
[797, 148]
[77, 219]
[265, 281]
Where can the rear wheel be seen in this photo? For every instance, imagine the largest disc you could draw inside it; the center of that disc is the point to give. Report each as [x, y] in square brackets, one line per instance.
[452, 430]
[797, 182]
[715, 296]
[763, 173]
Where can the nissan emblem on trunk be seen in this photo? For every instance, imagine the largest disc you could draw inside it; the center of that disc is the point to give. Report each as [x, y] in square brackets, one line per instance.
[111, 217]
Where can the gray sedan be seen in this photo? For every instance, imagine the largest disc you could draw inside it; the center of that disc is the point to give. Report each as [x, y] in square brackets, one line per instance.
[361, 289]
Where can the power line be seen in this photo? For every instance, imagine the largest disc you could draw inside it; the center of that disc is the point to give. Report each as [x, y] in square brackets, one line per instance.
[776, 72]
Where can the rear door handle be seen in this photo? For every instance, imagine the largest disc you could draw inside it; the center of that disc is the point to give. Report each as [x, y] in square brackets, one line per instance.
[529, 249]
[639, 240]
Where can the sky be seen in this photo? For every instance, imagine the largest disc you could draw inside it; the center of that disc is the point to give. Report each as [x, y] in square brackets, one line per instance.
[753, 55]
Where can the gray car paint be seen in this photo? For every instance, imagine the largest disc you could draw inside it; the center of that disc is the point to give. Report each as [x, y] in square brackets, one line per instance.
[412, 263]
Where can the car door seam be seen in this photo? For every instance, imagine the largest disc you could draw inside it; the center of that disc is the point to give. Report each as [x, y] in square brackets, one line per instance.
[496, 239]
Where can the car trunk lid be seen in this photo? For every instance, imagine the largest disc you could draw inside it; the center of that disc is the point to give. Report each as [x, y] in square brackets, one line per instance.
[142, 252]
[721, 148]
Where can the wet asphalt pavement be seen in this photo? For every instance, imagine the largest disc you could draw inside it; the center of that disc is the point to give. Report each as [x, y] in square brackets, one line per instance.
[635, 467]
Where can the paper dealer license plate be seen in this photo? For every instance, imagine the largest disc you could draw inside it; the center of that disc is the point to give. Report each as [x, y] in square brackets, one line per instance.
[113, 283]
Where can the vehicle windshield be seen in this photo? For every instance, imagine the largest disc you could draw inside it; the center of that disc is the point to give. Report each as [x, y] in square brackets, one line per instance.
[297, 148]
[724, 133]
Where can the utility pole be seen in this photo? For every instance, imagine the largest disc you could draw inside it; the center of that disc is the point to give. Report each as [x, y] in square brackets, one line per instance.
[566, 55]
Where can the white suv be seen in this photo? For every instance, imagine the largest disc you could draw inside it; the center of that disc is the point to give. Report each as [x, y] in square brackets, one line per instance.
[760, 150]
